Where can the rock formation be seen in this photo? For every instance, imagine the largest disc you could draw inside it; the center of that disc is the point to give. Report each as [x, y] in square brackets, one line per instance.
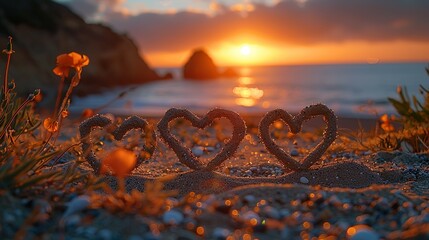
[41, 30]
[200, 66]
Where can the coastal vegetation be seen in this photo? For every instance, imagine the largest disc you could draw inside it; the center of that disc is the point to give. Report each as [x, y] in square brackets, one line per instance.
[31, 148]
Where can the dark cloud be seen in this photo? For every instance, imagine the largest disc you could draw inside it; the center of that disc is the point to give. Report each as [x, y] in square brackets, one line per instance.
[288, 22]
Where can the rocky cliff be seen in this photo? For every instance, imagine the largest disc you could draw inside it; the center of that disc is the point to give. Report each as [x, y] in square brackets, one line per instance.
[41, 30]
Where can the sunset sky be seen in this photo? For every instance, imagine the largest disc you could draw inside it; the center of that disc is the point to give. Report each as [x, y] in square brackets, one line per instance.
[268, 32]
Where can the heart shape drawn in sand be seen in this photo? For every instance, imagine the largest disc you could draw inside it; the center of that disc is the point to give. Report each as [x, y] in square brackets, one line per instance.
[184, 154]
[295, 124]
[101, 121]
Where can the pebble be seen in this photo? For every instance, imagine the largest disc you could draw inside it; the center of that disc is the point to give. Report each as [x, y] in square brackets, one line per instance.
[173, 217]
[198, 151]
[249, 215]
[366, 153]
[286, 233]
[72, 221]
[151, 236]
[210, 149]
[272, 212]
[362, 232]
[250, 198]
[304, 180]
[284, 213]
[294, 153]
[105, 234]
[90, 232]
[76, 205]
[135, 237]
[221, 233]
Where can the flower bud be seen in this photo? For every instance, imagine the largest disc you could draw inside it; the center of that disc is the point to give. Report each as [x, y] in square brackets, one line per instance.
[36, 92]
[399, 89]
[30, 97]
[11, 85]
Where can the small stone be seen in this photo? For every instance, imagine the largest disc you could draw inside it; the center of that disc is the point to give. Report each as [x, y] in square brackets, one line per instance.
[72, 221]
[210, 149]
[249, 215]
[304, 180]
[173, 217]
[135, 237]
[9, 218]
[294, 153]
[221, 233]
[284, 213]
[272, 212]
[362, 232]
[198, 151]
[76, 205]
[90, 232]
[105, 234]
[286, 233]
[366, 153]
[151, 236]
[250, 198]
[334, 200]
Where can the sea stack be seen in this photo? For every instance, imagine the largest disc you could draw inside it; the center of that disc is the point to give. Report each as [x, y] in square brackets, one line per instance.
[200, 66]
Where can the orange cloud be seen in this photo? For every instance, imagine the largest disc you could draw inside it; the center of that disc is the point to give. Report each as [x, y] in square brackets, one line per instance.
[288, 22]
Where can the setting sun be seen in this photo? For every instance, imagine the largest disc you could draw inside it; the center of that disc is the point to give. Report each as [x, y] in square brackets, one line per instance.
[245, 50]
[248, 54]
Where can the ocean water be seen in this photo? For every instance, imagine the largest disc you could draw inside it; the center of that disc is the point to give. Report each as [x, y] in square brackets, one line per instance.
[354, 90]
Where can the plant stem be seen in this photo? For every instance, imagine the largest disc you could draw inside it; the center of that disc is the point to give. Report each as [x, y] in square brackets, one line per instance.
[66, 97]
[57, 102]
[6, 73]
[14, 115]
[121, 184]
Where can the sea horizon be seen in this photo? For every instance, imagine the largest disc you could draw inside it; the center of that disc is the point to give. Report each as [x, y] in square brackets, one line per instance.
[351, 90]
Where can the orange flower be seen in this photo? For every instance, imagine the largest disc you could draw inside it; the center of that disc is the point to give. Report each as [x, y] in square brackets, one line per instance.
[70, 60]
[64, 113]
[120, 161]
[50, 124]
[386, 123]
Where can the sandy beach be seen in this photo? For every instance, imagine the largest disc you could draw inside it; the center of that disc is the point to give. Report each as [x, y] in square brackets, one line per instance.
[351, 191]
[223, 120]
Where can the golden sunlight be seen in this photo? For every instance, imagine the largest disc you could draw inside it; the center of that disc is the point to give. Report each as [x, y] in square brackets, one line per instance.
[245, 50]
[231, 54]
[247, 96]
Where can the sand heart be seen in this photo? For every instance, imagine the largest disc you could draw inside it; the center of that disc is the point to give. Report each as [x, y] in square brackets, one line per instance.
[101, 121]
[184, 154]
[295, 123]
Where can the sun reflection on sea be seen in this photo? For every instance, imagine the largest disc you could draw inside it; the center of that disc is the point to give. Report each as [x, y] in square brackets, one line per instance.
[246, 95]
[245, 80]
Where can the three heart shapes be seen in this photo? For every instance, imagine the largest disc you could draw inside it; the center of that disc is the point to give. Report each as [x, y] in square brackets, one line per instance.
[186, 156]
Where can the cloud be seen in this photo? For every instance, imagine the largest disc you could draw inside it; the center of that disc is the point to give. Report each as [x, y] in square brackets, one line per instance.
[96, 9]
[287, 22]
